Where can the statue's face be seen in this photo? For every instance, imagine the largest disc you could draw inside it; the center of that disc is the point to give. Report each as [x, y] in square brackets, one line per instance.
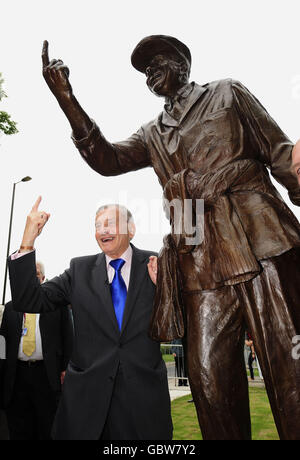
[163, 76]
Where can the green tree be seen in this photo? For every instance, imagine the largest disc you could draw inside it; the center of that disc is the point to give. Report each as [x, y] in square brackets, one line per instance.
[7, 126]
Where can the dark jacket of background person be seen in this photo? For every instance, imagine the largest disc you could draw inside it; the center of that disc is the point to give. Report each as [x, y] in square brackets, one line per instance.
[177, 347]
[3, 424]
[57, 341]
[100, 349]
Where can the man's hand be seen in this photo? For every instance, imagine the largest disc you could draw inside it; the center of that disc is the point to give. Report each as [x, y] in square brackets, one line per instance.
[56, 75]
[62, 377]
[34, 225]
[152, 268]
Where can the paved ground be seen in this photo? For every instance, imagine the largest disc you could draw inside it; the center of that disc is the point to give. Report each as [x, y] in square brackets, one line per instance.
[178, 392]
[175, 392]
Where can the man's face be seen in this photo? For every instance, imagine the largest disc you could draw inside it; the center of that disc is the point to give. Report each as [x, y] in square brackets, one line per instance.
[163, 75]
[113, 233]
[39, 273]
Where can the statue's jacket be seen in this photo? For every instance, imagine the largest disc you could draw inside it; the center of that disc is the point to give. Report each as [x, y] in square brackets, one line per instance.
[220, 149]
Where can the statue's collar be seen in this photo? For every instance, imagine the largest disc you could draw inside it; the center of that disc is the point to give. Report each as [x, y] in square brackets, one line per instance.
[182, 103]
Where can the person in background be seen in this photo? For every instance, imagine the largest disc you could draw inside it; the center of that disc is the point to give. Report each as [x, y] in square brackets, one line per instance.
[38, 348]
[251, 357]
[180, 365]
[3, 421]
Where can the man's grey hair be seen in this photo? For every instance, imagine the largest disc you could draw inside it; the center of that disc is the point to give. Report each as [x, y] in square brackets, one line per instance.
[122, 210]
[42, 267]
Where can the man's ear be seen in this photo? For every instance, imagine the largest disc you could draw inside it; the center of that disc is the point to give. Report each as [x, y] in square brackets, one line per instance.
[183, 67]
[131, 229]
[184, 71]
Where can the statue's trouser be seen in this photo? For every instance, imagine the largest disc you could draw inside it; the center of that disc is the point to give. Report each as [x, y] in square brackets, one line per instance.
[269, 305]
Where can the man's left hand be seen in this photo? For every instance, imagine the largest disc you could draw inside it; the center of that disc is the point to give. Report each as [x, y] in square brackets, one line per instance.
[152, 268]
[62, 377]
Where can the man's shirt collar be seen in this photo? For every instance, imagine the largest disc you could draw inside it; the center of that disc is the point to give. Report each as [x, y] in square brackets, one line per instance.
[127, 256]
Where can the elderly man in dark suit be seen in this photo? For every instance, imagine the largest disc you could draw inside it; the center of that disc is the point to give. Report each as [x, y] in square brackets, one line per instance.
[37, 355]
[116, 384]
[214, 142]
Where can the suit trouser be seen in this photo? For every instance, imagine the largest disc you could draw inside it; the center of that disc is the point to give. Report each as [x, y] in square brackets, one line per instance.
[33, 404]
[119, 424]
[3, 426]
[269, 305]
[122, 423]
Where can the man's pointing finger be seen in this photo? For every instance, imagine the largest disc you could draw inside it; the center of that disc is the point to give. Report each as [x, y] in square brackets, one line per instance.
[45, 56]
[35, 207]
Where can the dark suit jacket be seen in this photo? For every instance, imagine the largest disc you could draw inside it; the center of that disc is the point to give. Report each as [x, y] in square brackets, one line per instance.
[99, 347]
[57, 341]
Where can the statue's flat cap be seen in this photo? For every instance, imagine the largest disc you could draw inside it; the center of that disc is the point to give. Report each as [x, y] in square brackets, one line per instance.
[153, 45]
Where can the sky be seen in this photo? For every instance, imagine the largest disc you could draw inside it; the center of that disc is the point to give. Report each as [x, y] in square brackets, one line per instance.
[255, 42]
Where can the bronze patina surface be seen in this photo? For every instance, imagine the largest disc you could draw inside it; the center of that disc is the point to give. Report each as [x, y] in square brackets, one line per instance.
[215, 142]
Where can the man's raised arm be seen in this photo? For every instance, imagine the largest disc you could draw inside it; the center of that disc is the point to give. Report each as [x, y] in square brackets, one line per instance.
[34, 225]
[28, 295]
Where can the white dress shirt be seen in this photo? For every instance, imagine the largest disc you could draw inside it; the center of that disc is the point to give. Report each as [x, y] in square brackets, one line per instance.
[125, 270]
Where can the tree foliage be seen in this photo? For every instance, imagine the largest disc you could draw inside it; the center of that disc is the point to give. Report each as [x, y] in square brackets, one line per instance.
[7, 125]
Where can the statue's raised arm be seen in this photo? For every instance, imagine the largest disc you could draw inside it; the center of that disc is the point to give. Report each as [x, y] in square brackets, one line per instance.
[56, 75]
[105, 158]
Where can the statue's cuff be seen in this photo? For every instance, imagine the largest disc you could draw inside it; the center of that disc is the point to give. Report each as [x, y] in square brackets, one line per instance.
[86, 141]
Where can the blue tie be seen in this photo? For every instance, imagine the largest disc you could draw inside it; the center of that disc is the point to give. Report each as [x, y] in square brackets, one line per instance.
[118, 290]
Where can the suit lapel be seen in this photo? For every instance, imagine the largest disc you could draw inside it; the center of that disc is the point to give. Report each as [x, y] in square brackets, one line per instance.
[19, 323]
[137, 273]
[43, 326]
[100, 282]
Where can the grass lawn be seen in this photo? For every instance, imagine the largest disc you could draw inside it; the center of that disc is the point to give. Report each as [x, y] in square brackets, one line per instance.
[186, 423]
[168, 358]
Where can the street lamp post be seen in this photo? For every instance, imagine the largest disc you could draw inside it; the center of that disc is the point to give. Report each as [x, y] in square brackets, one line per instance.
[25, 179]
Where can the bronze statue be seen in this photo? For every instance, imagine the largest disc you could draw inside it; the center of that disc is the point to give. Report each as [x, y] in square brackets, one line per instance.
[214, 142]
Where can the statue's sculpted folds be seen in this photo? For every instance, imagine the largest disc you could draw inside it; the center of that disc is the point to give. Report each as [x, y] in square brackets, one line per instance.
[214, 142]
